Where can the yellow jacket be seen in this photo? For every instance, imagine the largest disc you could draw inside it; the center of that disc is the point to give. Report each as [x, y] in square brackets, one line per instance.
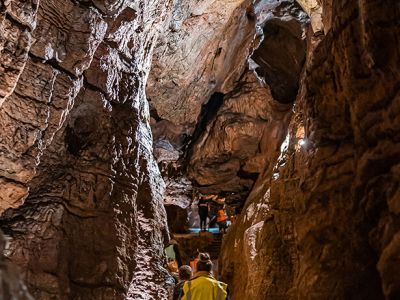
[204, 287]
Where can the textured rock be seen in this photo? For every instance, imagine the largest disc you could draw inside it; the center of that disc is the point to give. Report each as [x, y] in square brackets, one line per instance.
[314, 9]
[224, 155]
[201, 53]
[227, 157]
[281, 53]
[324, 223]
[177, 198]
[31, 116]
[17, 19]
[76, 144]
[12, 287]
[316, 147]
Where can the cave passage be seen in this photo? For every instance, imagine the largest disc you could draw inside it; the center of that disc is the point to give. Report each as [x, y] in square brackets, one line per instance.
[256, 141]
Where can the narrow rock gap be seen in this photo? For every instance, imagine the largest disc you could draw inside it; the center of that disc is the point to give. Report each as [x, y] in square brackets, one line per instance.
[208, 113]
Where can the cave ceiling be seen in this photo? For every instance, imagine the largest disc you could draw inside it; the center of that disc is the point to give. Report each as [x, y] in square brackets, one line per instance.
[216, 92]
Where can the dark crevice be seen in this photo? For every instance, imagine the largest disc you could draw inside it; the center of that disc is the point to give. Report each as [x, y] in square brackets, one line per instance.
[17, 23]
[208, 113]
[153, 112]
[281, 57]
[247, 175]
[75, 143]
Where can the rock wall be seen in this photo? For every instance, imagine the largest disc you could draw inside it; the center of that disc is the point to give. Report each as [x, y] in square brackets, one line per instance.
[226, 158]
[198, 59]
[76, 146]
[200, 54]
[324, 222]
[210, 111]
[80, 191]
[12, 287]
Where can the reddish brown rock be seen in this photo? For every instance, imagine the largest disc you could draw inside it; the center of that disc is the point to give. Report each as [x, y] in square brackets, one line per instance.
[324, 223]
[314, 150]
[17, 19]
[76, 134]
[12, 287]
[199, 54]
[228, 156]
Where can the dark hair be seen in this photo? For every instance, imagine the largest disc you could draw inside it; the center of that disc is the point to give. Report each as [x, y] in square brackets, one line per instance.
[185, 272]
[204, 263]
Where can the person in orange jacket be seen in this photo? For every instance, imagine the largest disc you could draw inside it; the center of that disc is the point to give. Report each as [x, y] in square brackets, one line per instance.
[222, 219]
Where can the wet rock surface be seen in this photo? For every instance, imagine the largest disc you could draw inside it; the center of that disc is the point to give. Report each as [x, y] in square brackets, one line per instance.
[76, 146]
[288, 109]
[227, 158]
[322, 223]
[12, 286]
[200, 54]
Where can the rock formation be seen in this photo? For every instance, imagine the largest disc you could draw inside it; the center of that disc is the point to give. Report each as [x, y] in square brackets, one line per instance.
[76, 146]
[323, 223]
[111, 110]
[12, 286]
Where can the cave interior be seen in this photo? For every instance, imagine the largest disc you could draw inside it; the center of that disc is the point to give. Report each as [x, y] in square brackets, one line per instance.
[117, 116]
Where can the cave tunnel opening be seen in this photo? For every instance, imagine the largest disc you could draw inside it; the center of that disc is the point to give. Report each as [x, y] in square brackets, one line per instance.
[280, 59]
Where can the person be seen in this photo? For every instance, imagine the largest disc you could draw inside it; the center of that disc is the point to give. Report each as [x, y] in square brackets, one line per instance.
[203, 212]
[222, 219]
[203, 285]
[193, 262]
[172, 253]
[185, 272]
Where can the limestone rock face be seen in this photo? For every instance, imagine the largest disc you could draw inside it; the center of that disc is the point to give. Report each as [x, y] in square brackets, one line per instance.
[233, 108]
[15, 41]
[76, 146]
[228, 156]
[324, 222]
[12, 286]
[203, 51]
[289, 109]
[314, 9]
[200, 57]
[177, 197]
[281, 54]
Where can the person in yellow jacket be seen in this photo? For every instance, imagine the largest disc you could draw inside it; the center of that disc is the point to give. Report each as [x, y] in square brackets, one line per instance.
[203, 286]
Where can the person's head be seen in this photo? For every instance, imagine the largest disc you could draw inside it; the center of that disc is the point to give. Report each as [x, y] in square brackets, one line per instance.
[185, 272]
[204, 263]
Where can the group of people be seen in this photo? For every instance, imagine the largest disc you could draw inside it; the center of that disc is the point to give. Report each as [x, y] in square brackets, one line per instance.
[194, 282]
[204, 210]
[201, 285]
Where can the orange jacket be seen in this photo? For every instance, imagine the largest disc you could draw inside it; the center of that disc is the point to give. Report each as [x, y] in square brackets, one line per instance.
[221, 216]
[193, 264]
